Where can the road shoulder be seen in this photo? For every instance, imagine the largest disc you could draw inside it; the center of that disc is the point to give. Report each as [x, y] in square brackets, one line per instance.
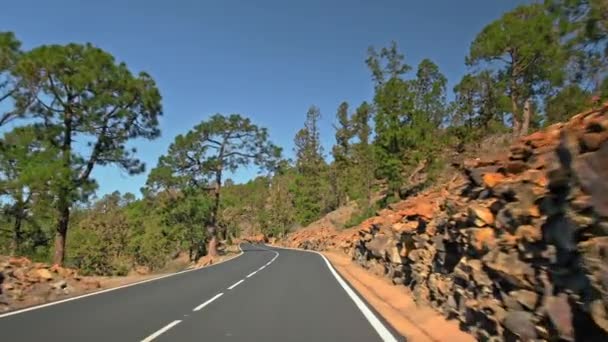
[396, 306]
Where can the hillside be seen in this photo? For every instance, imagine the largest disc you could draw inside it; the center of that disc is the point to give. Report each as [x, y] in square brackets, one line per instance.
[515, 246]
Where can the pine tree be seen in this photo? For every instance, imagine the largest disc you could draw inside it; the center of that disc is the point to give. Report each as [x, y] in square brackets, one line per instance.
[394, 107]
[524, 47]
[341, 151]
[363, 158]
[83, 94]
[310, 188]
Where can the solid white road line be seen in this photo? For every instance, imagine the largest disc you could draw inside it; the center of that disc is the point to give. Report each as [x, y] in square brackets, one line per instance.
[161, 331]
[252, 274]
[113, 288]
[208, 302]
[261, 268]
[236, 284]
[380, 328]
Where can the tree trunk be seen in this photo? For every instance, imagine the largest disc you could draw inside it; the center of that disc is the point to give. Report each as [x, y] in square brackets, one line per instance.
[527, 115]
[212, 250]
[64, 203]
[17, 235]
[61, 234]
[213, 229]
[516, 120]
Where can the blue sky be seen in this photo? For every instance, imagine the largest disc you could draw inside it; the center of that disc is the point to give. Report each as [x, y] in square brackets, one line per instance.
[266, 59]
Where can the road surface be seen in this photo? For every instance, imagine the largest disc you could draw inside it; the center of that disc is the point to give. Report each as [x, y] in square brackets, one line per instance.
[266, 294]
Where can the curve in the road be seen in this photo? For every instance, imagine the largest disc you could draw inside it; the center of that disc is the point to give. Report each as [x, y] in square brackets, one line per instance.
[242, 299]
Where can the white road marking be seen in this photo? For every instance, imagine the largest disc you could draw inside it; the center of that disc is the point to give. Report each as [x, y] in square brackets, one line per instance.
[161, 331]
[208, 302]
[236, 284]
[261, 268]
[112, 289]
[380, 328]
[252, 274]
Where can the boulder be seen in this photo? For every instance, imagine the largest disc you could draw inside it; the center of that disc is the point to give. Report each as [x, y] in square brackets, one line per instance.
[40, 274]
[592, 172]
[526, 298]
[481, 239]
[521, 324]
[405, 227]
[528, 233]
[379, 245]
[491, 179]
[480, 215]
[559, 312]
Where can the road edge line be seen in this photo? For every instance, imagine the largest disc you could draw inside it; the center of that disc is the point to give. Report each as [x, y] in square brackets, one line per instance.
[90, 294]
[373, 320]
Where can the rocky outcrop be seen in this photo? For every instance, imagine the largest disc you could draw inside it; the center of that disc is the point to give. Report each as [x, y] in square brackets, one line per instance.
[24, 283]
[514, 248]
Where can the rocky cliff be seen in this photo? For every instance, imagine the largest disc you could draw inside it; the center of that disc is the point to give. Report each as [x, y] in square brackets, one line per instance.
[515, 247]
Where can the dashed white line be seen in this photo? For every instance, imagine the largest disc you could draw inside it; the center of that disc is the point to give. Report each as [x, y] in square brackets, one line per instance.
[161, 331]
[208, 302]
[261, 268]
[252, 274]
[236, 284]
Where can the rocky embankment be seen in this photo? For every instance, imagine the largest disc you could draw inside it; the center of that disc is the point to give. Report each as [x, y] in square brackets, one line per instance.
[24, 283]
[516, 247]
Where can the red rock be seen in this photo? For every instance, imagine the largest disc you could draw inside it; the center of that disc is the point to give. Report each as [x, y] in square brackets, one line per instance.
[528, 233]
[40, 274]
[405, 227]
[593, 141]
[534, 211]
[536, 177]
[516, 167]
[491, 179]
[423, 209]
[478, 212]
[482, 239]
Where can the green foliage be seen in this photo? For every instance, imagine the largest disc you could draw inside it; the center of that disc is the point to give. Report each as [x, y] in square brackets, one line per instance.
[583, 26]
[9, 56]
[311, 186]
[524, 47]
[567, 102]
[430, 89]
[101, 239]
[341, 168]
[28, 164]
[199, 159]
[364, 168]
[479, 108]
[408, 116]
[361, 215]
[82, 94]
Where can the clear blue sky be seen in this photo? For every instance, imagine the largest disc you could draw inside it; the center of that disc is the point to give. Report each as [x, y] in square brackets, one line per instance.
[269, 60]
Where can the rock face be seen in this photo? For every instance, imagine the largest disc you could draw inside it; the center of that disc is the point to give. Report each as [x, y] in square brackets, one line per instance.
[517, 249]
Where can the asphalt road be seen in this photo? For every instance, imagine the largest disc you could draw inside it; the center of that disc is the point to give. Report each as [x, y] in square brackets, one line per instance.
[266, 294]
